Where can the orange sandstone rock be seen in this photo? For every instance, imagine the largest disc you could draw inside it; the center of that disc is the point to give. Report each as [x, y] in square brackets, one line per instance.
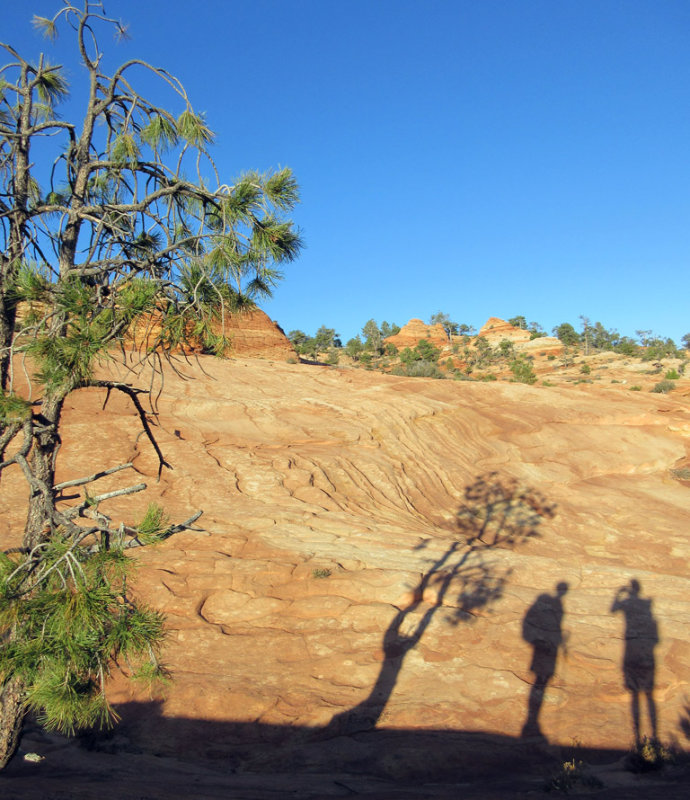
[415, 330]
[252, 334]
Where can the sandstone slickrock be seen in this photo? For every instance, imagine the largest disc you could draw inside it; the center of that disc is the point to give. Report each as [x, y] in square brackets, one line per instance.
[332, 560]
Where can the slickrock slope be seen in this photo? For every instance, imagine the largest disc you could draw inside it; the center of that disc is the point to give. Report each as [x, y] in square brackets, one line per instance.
[333, 588]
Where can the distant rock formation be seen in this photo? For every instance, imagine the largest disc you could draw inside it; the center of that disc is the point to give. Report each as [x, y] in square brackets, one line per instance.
[415, 330]
[255, 335]
[496, 330]
[252, 334]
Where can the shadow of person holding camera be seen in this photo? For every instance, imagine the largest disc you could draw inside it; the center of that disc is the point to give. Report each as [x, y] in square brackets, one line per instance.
[641, 637]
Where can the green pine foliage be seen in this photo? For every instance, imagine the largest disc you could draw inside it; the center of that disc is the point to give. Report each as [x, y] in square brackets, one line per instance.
[117, 245]
[522, 371]
[72, 617]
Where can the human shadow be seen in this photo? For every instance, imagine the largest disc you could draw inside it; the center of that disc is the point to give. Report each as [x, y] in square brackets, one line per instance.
[497, 511]
[542, 629]
[641, 637]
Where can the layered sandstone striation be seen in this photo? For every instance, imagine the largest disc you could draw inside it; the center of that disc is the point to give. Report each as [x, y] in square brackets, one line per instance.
[251, 333]
[410, 334]
[496, 330]
[333, 597]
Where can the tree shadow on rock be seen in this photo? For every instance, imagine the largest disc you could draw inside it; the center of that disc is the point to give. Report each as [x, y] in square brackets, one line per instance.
[500, 511]
[497, 512]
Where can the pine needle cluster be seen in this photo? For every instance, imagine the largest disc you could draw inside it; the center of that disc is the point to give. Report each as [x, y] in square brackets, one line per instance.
[71, 617]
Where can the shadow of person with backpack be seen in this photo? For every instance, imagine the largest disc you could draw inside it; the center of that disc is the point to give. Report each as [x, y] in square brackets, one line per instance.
[542, 629]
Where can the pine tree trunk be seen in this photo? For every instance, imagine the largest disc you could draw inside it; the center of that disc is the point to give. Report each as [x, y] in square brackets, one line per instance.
[37, 528]
[12, 714]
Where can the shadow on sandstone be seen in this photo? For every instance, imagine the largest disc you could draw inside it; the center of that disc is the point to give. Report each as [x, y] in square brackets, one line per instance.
[382, 763]
[497, 512]
[460, 581]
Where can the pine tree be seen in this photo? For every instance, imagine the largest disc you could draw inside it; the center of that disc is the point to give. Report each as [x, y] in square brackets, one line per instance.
[118, 230]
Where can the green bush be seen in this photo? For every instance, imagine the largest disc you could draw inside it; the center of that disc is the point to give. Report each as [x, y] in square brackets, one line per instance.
[636, 388]
[418, 369]
[522, 371]
[664, 387]
[321, 573]
[585, 369]
[672, 375]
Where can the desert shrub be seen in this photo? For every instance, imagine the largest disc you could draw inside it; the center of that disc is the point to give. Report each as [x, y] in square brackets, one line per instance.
[636, 388]
[547, 383]
[423, 369]
[585, 369]
[332, 358]
[671, 375]
[522, 371]
[649, 755]
[321, 573]
[572, 775]
[664, 387]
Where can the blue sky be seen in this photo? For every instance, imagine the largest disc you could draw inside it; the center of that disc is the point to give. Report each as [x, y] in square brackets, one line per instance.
[478, 157]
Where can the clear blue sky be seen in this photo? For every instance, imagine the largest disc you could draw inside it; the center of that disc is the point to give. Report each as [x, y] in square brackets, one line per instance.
[478, 157]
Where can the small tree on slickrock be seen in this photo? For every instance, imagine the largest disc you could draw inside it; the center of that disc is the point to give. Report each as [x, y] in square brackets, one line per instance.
[118, 228]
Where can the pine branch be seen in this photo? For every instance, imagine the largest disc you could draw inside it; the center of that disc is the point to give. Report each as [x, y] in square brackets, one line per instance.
[91, 478]
[76, 511]
[186, 525]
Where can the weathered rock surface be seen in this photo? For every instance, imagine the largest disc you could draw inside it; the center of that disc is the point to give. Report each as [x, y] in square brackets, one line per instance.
[333, 588]
[252, 334]
[495, 330]
[410, 334]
